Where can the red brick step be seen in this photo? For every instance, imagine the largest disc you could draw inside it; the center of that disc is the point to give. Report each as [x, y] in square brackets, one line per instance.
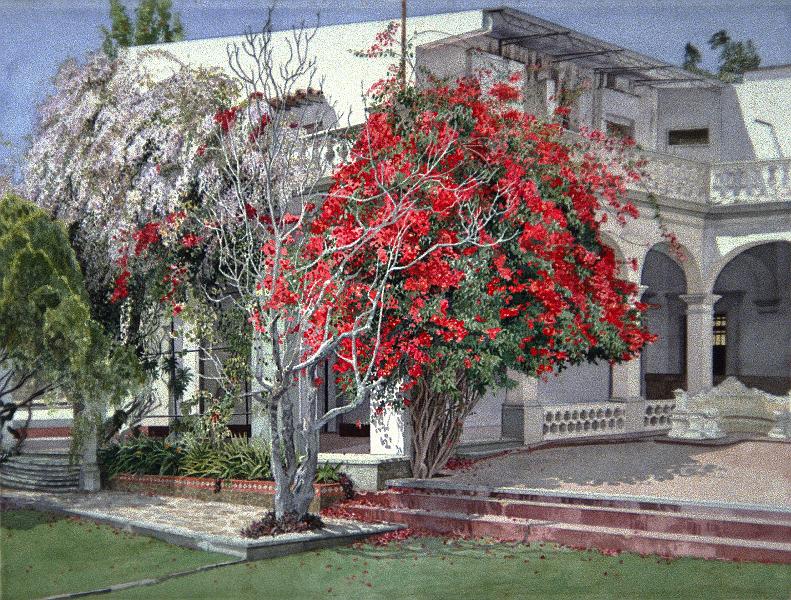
[694, 523]
[578, 535]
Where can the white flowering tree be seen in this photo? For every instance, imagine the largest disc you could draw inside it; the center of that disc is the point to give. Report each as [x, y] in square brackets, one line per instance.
[114, 147]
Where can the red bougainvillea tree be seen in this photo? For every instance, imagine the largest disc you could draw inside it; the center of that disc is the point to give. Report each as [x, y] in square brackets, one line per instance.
[537, 291]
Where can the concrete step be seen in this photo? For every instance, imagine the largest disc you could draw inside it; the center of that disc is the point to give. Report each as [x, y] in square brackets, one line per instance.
[38, 466]
[43, 483]
[38, 477]
[577, 535]
[46, 445]
[483, 449]
[437, 486]
[694, 523]
[41, 486]
[37, 488]
[47, 472]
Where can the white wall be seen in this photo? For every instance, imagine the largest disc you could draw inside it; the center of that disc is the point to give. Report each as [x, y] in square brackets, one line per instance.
[485, 420]
[579, 383]
[690, 108]
[345, 76]
[766, 100]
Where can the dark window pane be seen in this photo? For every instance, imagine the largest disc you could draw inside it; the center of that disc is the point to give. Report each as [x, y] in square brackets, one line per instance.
[688, 137]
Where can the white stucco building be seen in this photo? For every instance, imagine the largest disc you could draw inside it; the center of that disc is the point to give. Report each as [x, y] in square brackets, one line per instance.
[720, 161]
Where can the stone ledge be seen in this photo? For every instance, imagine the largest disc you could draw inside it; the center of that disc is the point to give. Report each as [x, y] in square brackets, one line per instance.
[337, 532]
[369, 471]
[594, 498]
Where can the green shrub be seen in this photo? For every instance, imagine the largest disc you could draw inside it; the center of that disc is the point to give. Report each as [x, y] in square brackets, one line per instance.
[201, 460]
[245, 460]
[236, 458]
[141, 455]
[328, 473]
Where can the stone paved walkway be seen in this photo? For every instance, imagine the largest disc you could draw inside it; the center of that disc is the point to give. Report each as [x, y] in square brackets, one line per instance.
[746, 473]
[216, 518]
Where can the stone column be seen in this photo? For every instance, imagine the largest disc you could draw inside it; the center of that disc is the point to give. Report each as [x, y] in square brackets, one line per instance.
[90, 478]
[522, 413]
[627, 376]
[626, 380]
[700, 338]
[391, 432]
[626, 389]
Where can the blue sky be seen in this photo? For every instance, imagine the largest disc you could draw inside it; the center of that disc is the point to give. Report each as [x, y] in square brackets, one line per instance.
[37, 35]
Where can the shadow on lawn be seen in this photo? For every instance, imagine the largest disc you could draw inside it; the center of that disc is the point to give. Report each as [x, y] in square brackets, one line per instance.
[15, 519]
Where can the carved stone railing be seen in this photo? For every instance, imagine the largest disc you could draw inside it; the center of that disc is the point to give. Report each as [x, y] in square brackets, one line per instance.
[657, 414]
[663, 175]
[751, 182]
[731, 407]
[674, 177]
[596, 419]
[583, 419]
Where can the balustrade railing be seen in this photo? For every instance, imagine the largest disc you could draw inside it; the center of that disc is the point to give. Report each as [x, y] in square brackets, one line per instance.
[674, 177]
[751, 182]
[605, 418]
[666, 175]
[584, 419]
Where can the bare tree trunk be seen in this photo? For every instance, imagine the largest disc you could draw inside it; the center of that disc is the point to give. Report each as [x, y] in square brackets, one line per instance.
[294, 458]
[437, 423]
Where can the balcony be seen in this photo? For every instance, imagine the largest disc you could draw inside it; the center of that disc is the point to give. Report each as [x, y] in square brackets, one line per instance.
[667, 176]
[751, 182]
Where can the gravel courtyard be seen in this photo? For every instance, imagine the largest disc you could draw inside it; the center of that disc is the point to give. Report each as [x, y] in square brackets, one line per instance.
[750, 472]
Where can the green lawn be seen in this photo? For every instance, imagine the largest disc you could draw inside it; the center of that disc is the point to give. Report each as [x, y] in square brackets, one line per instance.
[430, 569]
[44, 555]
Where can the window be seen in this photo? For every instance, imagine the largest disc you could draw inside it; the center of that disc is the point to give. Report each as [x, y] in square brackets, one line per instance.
[688, 137]
[619, 130]
[720, 330]
[720, 347]
[611, 81]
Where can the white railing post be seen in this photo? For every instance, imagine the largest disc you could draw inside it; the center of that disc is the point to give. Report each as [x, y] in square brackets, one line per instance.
[522, 413]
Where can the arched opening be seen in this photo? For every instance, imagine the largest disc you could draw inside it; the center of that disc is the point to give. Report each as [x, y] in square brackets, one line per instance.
[664, 363]
[752, 319]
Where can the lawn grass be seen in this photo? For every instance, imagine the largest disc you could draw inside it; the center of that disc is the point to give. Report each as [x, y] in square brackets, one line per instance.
[43, 555]
[429, 568]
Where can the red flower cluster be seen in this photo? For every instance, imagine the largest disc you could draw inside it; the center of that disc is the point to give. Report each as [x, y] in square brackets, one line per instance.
[146, 236]
[552, 289]
[226, 118]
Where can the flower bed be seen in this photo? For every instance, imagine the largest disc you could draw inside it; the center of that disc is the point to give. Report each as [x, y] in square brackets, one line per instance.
[233, 491]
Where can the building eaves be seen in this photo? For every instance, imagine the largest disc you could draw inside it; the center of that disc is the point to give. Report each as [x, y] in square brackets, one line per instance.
[561, 44]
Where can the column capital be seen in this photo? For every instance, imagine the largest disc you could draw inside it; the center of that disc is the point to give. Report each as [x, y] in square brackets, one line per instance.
[699, 302]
